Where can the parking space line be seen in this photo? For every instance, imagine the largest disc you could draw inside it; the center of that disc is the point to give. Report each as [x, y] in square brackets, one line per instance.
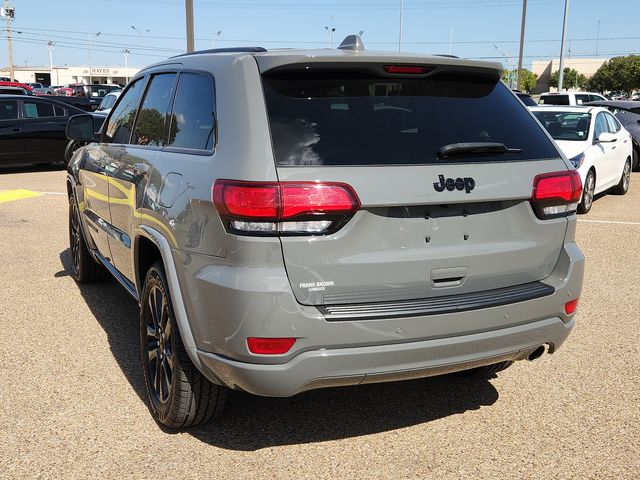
[2, 190]
[19, 194]
[610, 222]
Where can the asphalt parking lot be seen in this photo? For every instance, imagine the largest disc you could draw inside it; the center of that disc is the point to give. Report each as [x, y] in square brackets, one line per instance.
[72, 397]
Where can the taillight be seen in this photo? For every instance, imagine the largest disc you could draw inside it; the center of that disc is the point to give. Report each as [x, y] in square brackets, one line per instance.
[270, 346]
[556, 194]
[571, 307]
[284, 208]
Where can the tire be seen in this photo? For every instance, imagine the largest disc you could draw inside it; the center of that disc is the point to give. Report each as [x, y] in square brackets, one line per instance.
[84, 269]
[179, 395]
[635, 166]
[625, 178]
[587, 194]
[486, 371]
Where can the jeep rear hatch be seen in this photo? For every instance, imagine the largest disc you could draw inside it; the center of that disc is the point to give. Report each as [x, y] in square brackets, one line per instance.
[442, 162]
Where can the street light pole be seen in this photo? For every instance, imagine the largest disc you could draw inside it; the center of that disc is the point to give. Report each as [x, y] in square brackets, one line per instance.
[139, 32]
[50, 45]
[89, 40]
[507, 63]
[598, 38]
[524, 19]
[125, 54]
[8, 12]
[214, 37]
[330, 29]
[564, 33]
[400, 33]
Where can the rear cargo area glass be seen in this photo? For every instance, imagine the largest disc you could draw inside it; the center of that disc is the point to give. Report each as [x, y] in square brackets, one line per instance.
[357, 118]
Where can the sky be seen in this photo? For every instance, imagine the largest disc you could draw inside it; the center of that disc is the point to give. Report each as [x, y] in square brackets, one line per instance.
[481, 29]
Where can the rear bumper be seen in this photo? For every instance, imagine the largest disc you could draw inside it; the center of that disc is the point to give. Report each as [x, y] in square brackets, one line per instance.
[359, 365]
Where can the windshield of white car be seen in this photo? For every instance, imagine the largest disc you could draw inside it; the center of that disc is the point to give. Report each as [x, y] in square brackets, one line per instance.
[570, 126]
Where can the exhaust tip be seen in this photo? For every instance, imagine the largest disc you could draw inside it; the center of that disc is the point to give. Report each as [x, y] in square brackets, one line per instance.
[537, 353]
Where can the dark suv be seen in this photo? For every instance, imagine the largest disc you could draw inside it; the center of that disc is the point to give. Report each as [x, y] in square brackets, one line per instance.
[294, 219]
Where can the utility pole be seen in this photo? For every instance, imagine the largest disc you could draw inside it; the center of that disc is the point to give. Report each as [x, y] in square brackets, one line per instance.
[598, 38]
[188, 5]
[9, 13]
[125, 54]
[522, 25]
[451, 41]
[564, 33]
[330, 30]
[400, 35]
[50, 45]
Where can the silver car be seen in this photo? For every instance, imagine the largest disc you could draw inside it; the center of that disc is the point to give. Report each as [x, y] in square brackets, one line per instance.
[298, 219]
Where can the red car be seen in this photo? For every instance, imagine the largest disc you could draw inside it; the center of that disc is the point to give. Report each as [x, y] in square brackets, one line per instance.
[17, 84]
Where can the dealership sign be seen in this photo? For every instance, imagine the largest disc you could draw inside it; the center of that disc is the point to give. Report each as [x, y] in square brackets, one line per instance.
[101, 71]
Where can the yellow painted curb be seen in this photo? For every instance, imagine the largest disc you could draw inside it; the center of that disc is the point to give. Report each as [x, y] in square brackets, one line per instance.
[20, 194]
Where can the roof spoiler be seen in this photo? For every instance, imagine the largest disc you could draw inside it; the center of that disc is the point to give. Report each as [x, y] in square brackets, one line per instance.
[352, 42]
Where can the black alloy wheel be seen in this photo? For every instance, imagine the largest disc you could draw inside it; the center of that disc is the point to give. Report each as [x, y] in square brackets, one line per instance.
[160, 351]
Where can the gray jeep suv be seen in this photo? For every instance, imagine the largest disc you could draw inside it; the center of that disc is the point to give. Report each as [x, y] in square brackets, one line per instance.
[291, 220]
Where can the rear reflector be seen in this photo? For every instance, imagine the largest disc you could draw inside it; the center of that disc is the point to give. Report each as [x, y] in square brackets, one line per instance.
[407, 69]
[270, 346]
[289, 208]
[556, 194]
[571, 307]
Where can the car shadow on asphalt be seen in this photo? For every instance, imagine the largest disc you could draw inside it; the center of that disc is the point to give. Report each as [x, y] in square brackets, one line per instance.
[251, 423]
[40, 167]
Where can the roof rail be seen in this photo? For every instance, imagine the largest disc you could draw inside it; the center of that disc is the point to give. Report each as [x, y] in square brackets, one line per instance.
[225, 50]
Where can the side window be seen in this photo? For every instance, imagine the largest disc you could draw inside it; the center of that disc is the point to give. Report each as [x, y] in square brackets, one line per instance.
[601, 125]
[59, 111]
[614, 126]
[152, 118]
[37, 110]
[8, 110]
[580, 99]
[597, 98]
[193, 116]
[121, 120]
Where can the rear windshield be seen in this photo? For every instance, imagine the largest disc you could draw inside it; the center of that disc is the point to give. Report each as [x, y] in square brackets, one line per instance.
[554, 100]
[352, 118]
[566, 125]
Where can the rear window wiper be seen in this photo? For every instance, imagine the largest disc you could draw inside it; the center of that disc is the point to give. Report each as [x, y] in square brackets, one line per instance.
[475, 148]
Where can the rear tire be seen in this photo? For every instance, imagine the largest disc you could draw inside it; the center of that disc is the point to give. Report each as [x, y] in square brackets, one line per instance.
[84, 269]
[486, 371]
[587, 194]
[623, 185]
[179, 395]
[635, 160]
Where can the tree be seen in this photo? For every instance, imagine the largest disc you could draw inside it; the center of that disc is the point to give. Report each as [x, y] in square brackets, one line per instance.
[528, 80]
[618, 73]
[572, 79]
[509, 78]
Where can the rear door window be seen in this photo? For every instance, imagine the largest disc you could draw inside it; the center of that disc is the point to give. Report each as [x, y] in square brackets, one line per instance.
[353, 118]
[38, 110]
[614, 126]
[193, 117]
[122, 117]
[581, 98]
[152, 118]
[554, 100]
[8, 110]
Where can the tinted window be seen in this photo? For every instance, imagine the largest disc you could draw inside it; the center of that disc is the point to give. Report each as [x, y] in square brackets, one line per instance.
[565, 125]
[601, 125]
[192, 120]
[554, 100]
[596, 98]
[122, 117]
[527, 100]
[38, 110]
[59, 111]
[149, 129]
[614, 126]
[349, 118]
[8, 109]
[580, 99]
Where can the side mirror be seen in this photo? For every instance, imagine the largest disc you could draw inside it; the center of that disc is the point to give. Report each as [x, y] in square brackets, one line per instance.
[80, 128]
[606, 137]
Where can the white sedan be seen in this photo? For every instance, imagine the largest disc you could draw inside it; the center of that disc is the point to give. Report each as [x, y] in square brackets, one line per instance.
[595, 143]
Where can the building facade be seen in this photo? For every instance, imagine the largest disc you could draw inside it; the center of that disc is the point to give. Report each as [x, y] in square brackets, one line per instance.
[545, 68]
[65, 75]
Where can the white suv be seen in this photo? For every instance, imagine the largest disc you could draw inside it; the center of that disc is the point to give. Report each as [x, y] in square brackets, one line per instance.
[569, 98]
